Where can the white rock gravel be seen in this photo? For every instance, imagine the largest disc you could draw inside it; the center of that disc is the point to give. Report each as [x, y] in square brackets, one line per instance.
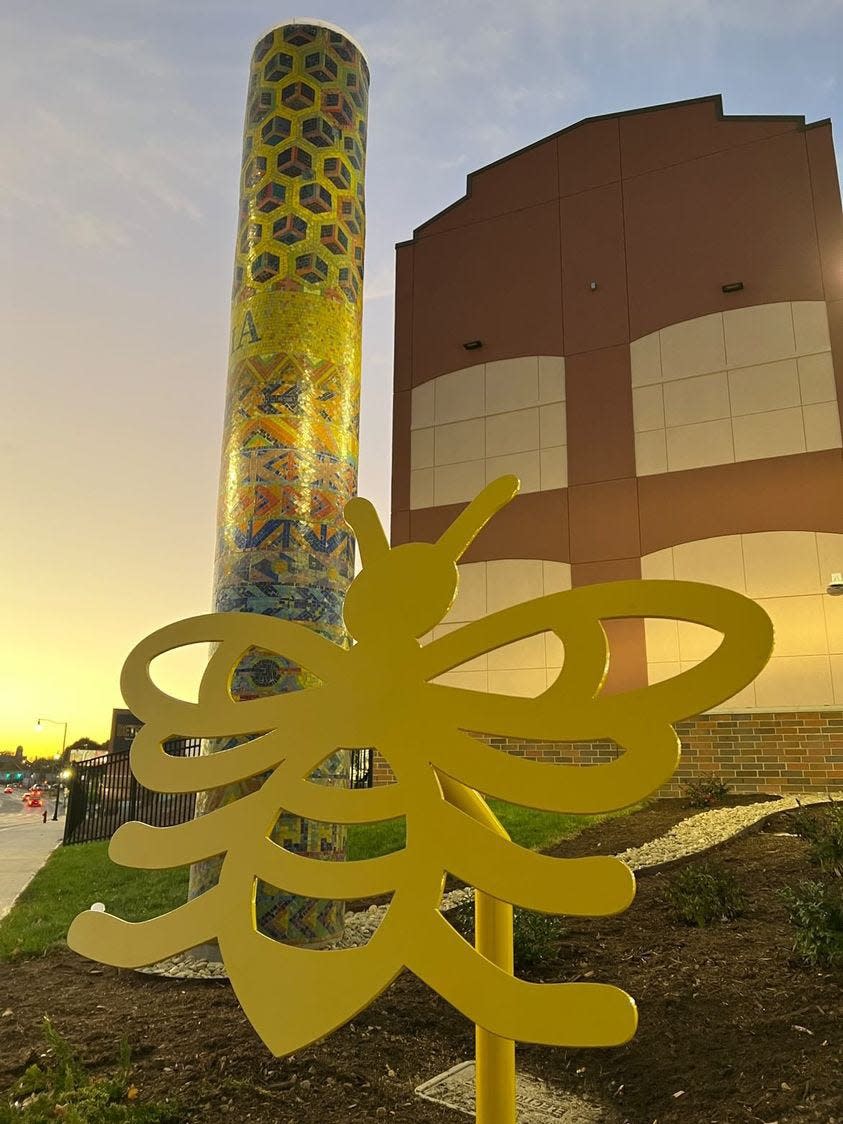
[692, 836]
[359, 928]
[708, 829]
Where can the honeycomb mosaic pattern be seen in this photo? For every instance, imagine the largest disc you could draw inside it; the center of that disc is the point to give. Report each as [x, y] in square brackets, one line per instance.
[289, 462]
[302, 192]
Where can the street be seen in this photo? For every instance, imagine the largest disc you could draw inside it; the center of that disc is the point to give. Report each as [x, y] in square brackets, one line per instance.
[25, 843]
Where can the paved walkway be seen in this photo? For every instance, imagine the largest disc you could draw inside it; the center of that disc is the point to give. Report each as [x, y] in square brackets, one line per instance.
[25, 844]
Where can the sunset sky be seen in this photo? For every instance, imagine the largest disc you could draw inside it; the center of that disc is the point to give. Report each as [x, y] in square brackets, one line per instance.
[119, 161]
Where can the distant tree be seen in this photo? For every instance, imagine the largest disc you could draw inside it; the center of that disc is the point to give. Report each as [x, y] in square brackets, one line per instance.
[86, 744]
[9, 764]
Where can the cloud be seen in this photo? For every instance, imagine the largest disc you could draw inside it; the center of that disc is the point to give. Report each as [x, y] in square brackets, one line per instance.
[94, 231]
[119, 143]
[380, 284]
[132, 53]
[154, 171]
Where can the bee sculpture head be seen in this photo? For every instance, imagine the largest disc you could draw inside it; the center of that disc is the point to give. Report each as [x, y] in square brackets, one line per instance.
[417, 580]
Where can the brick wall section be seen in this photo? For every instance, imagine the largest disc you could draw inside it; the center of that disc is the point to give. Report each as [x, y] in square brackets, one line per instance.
[381, 772]
[781, 752]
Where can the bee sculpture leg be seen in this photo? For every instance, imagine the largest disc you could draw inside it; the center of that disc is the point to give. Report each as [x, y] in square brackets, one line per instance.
[495, 1057]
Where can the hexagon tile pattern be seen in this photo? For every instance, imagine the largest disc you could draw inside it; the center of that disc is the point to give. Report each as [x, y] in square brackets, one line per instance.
[304, 151]
[289, 459]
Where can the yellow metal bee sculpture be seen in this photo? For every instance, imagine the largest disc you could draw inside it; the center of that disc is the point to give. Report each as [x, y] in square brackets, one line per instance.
[379, 693]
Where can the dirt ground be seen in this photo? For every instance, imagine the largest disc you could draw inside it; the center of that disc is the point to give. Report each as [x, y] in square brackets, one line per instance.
[730, 1029]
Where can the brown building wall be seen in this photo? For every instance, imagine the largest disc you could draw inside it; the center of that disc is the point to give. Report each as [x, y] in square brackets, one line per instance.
[659, 208]
[579, 246]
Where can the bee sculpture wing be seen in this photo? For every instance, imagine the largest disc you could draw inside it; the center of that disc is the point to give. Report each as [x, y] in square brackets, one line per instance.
[348, 979]
[326, 991]
[573, 707]
[217, 713]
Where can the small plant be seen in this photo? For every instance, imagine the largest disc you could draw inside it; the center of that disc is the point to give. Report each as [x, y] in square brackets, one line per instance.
[816, 911]
[705, 791]
[704, 893]
[61, 1089]
[823, 829]
[536, 936]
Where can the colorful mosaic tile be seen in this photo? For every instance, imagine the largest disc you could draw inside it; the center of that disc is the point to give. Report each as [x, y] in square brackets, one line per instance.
[293, 400]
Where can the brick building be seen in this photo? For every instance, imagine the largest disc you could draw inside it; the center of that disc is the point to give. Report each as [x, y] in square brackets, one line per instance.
[642, 317]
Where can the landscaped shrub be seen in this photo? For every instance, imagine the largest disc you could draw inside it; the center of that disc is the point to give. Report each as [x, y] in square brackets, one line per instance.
[823, 829]
[705, 791]
[816, 911]
[704, 893]
[59, 1088]
[536, 936]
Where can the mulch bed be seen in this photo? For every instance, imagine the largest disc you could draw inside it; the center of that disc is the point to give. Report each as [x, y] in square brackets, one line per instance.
[654, 820]
[730, 1030]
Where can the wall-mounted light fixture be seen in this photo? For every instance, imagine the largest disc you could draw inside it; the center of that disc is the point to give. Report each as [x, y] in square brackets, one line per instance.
[592, 285]
[732, 287]
[472, 345]
[835, 586]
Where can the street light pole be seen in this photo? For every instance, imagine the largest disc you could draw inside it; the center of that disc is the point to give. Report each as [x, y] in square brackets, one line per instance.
[55, 722]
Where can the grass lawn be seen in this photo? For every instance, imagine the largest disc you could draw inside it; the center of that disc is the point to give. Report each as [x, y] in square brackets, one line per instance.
[75, 877]
[527, 827]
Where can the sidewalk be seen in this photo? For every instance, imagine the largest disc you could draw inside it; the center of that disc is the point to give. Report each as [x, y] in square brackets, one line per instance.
[25, 845]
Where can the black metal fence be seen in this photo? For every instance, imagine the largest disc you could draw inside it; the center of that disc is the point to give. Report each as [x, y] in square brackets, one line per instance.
[360, 768]
[104, 793]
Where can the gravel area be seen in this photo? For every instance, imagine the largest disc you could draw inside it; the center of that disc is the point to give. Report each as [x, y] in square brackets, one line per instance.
[709, 829]
[692, 836]
[359, 927]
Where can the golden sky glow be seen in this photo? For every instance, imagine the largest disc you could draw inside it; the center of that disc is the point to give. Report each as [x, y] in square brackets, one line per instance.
[119, 161]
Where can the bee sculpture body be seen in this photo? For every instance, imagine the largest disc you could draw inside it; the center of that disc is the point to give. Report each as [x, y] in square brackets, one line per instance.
[381, 693]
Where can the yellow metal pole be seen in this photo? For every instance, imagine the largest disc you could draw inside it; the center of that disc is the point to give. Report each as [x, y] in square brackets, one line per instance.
[495, 1057]
[495, 1072]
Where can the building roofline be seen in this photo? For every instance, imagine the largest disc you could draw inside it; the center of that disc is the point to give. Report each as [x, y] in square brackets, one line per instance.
[715, 99]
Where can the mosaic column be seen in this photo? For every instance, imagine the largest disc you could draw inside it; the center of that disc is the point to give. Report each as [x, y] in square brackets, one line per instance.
[289, 460]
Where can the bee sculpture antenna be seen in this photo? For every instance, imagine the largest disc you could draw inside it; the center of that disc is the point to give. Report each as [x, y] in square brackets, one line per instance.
[361, 516]
[457, 538]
